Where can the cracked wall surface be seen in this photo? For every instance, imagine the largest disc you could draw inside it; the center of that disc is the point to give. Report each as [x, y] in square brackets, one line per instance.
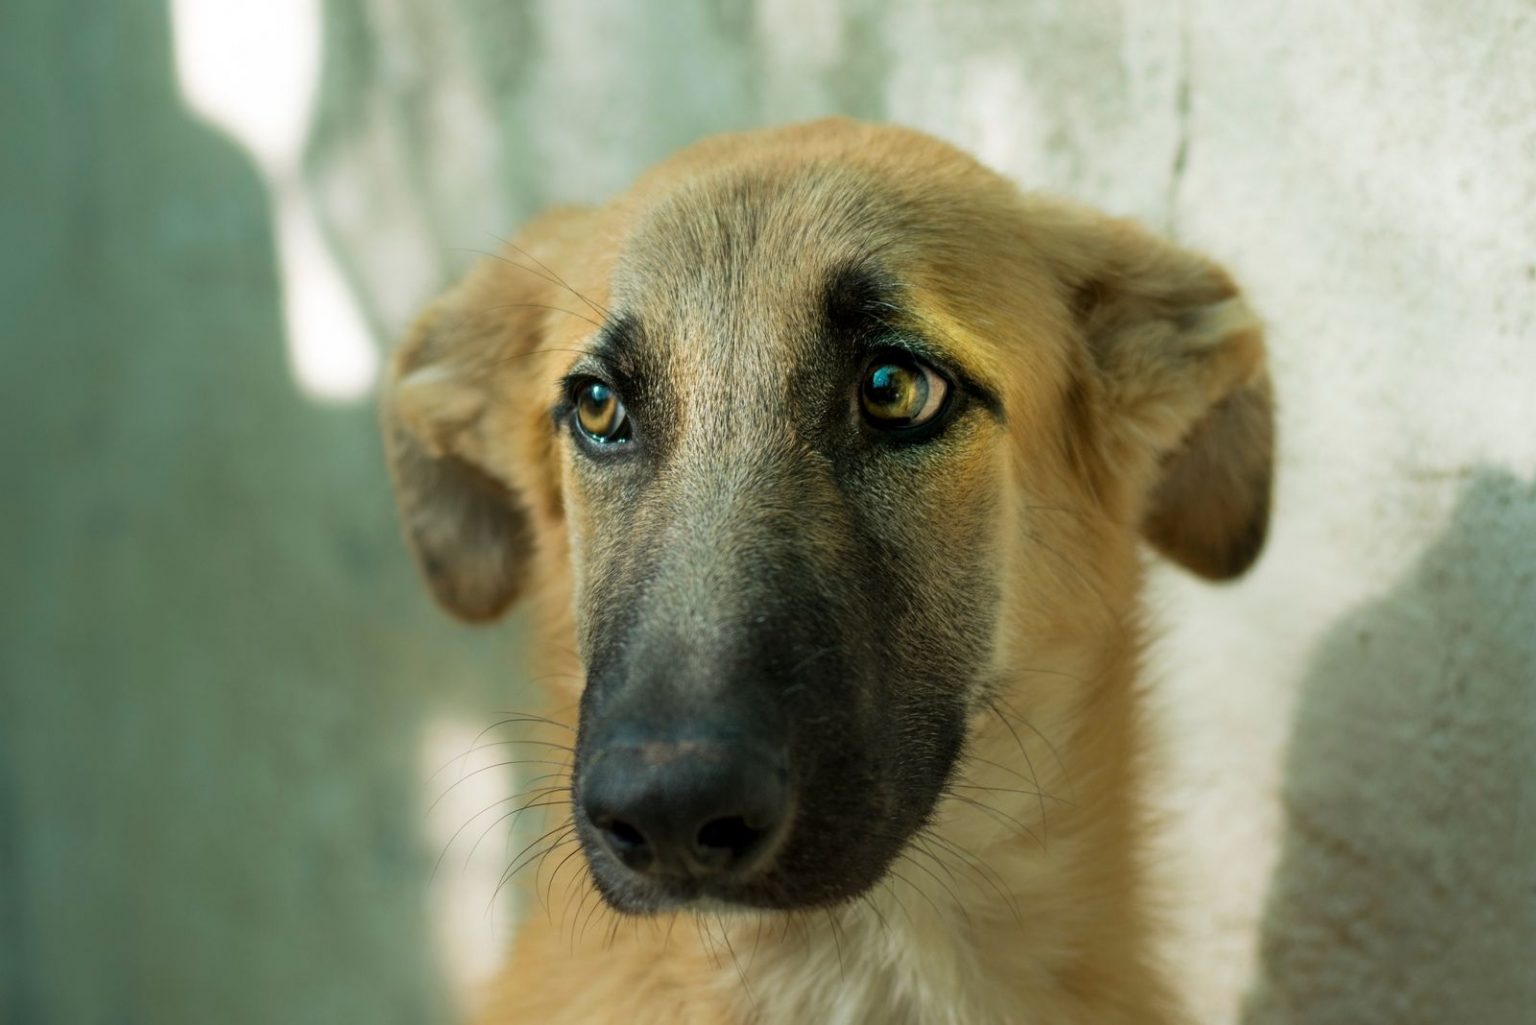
[223, 691]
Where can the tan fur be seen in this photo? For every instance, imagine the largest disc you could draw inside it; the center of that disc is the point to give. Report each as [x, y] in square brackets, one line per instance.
[1136, 397]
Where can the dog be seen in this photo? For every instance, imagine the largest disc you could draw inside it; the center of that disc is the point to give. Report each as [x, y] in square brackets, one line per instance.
[825, 456]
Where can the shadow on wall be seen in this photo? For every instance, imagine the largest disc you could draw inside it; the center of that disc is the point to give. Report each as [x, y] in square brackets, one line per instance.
[1406, 886]
[216, 661]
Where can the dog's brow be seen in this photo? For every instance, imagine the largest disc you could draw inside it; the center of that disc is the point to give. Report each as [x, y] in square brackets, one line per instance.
[617, 342]
[858, 299]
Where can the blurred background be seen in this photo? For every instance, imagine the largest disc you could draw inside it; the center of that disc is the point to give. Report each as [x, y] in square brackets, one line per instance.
[223, 695]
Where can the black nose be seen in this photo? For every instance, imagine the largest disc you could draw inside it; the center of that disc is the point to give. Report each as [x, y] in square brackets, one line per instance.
[689, 808]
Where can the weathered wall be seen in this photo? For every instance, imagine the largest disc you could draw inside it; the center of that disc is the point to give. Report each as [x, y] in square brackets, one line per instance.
[219, 678]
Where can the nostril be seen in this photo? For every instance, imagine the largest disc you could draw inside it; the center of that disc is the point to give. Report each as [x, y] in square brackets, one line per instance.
[728, 839]
[623, 835]
[627, 843]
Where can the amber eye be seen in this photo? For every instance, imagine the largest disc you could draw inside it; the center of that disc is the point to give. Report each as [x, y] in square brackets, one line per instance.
[899, 393]
[600, 414]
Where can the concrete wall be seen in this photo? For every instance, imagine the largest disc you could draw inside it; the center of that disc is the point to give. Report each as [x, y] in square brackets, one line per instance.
[223, 692]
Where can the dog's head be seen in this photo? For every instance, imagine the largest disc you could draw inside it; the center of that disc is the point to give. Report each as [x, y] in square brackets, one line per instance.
[822, 431]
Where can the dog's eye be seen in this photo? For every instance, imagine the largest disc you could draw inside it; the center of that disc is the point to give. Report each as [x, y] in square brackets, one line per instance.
[900, 393]
[600, 414]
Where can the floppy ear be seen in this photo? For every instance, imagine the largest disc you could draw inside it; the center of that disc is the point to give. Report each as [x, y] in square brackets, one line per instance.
[467, 525]
[1185, 395]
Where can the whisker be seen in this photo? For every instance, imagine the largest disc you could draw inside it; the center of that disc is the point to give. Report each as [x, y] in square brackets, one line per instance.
[885, 927]
[601, 311]
[981, 869]
[998, 700]
[486, 768]
[549, 887]
[939, 912]
[969, 757]
[474, 745]
[890, 889]
[1038, 671]
[544, 274]
[559, 835]
[541, 306]
[1014, 790]
[1035, 778]
[516, 719]
[535, 795]
[740, 974]
[704, 944]
[505, 743]
[532, 717]
[542, 800]
[913, 844]
[507, 878]
[948, 888]
[587, 921]
[757, 940]
[476, 845]
[561, 773]
[1002, 817]
[542, 350]
[838, 943]
[574, 889]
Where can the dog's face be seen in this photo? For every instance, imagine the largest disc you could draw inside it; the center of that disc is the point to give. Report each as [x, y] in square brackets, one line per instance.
[845, 429]
[783, 494]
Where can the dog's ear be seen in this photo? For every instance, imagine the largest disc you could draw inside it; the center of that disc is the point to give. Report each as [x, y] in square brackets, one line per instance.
[467, 524]
[1184, 394]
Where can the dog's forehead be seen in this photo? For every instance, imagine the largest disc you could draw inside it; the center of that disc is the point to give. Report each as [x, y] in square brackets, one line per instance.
[740, 267]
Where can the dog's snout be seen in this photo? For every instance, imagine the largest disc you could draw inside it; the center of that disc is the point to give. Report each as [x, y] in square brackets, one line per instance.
[689, 808]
